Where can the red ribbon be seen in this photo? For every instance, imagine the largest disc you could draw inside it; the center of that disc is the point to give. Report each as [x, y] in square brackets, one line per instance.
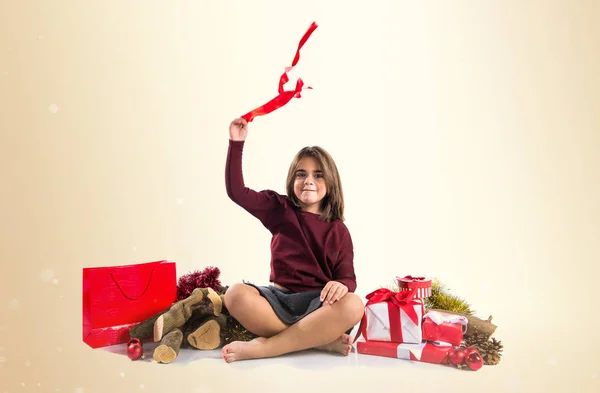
[396, 301]
[284, 96]
[401, 299]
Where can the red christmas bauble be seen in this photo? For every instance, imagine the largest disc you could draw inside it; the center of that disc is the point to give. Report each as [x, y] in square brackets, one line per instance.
[135, 349]
[474, 360]
[456, 356]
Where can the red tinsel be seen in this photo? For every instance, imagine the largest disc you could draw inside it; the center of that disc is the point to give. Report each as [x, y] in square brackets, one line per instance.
[207, 278]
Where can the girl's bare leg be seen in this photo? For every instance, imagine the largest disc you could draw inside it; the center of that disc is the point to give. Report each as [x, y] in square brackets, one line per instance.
[252, 311]
[323, 328]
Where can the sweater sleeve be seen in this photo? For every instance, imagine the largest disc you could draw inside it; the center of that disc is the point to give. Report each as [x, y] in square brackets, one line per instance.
[260, 204]
[344, 268]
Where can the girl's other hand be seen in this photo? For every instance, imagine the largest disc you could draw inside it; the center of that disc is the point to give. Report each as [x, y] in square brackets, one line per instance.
[333, 291]
[238, 129]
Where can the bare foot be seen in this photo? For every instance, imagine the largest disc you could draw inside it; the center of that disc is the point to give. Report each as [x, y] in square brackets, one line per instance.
[243, 350]
[342, 345]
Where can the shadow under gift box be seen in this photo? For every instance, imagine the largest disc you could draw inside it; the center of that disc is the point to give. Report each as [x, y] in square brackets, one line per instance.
[115, 298]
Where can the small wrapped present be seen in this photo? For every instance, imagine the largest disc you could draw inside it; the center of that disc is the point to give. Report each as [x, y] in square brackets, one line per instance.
[445, 327]
[393, 317]
[428, 352]
[420, 285]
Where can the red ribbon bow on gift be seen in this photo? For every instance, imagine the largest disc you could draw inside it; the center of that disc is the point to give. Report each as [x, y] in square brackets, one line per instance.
[401, 299]
[284, 96]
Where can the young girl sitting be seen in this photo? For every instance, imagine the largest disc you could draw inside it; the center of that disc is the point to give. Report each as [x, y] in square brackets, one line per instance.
[311, 302]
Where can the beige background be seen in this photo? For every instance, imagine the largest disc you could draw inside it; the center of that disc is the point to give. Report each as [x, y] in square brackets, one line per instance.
[466, 132]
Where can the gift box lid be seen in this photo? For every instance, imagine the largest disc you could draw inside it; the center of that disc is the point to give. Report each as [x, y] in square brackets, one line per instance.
[413, 282]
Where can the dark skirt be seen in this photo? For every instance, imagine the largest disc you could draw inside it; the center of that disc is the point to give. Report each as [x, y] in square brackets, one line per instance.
[290, 306]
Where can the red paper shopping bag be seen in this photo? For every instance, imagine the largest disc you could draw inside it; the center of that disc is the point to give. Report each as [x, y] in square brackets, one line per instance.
[117, 297]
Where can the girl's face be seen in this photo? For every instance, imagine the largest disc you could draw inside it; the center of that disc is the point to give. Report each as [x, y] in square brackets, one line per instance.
[309, 186]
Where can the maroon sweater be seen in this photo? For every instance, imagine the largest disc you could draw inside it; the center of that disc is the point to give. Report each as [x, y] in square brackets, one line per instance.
[306, 252]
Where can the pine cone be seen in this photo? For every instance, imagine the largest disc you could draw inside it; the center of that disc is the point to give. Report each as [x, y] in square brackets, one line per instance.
[489, 349]
[475, 339]
[493, 352]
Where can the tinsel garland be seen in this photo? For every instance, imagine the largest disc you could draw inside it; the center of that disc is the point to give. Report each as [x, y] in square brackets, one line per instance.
[207, 278]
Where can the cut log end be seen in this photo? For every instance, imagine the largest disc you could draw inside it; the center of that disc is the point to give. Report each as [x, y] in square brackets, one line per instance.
[169, 347]
[207, 336]
[164, 354]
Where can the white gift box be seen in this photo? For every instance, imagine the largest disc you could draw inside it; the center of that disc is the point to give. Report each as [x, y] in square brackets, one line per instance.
[387, 322]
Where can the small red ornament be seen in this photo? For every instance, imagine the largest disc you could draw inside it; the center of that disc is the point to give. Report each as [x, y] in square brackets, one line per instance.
[456, 356]
[135, 349]
[474, 361]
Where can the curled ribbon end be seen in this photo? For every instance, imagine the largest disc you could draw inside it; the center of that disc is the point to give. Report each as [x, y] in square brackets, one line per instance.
[283, 96]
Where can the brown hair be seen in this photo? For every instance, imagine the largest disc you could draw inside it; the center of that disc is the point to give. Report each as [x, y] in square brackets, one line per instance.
[332, 205]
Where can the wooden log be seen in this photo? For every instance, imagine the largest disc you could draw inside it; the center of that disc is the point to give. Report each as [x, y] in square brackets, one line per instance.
[475, 325]
[145, 329]
[208, 335]
[169, 347]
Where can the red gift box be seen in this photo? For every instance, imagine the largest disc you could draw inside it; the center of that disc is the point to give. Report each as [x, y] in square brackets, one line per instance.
[445, 327]
[424, 352]
[420, 285]
[117, 297]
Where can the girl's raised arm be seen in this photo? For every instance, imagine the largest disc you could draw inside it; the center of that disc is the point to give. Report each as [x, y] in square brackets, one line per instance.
[261, 204]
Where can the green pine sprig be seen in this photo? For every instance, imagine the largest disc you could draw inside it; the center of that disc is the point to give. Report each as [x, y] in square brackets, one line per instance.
[442, 299]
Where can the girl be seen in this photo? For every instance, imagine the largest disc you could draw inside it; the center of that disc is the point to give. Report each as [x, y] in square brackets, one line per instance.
[311, 302]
